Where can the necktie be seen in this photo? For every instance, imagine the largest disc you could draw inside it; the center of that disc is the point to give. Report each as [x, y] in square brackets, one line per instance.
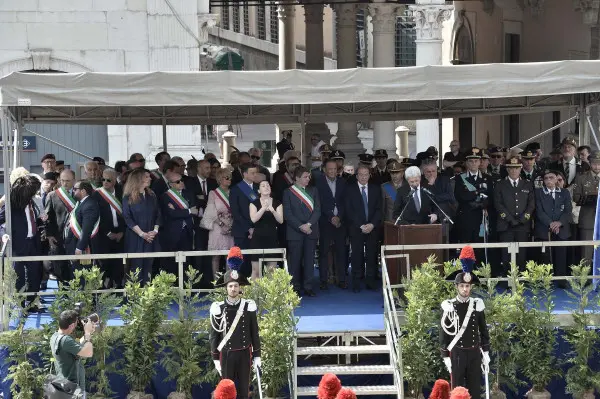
[417, 201]
[32, 220]
[44, 199]
[568, 172]
[204, 187]
[515, 184]
[365, 201]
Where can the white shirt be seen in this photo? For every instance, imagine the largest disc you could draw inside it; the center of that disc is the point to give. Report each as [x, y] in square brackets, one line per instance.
[28, 211]
[512, 182]
[570, 168]
[203, 185]
[332, 185]
[417, 194]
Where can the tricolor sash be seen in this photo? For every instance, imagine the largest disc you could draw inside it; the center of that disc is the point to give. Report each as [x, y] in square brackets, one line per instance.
[223, 196]
[66, 198]
[76, 227]
[178, 199]
[391, 190]
[93, 186]
[111, 199]
[288, 179]
[156, 173]
[303, 196]
[248, 192]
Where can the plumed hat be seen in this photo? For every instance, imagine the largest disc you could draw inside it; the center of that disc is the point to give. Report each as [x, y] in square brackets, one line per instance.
[235, 259]
[460, 393]
[467, 261]
[441, 390]
[346, 393]
[329, 386]
[225, 390]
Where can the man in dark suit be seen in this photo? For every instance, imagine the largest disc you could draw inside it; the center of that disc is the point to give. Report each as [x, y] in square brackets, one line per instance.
[83, 223]
[569, 166]
[25, 239]
[109, 239]
[282, 181]
[160, 185]
[380, 173]
[237, 174]
[178, 208]
[240, 197]
[553, 209]
[285, 144]
[515, 202]
[59, 205]
[302, 210]
[364, 222]
[414, 201]
[331, 227]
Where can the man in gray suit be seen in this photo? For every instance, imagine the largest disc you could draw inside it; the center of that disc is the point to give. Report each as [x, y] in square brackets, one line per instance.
[585, 194]
[302, 210]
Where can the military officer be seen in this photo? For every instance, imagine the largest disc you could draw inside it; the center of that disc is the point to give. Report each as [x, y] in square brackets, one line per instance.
[390, 189]
[515, 202]
[530, 171]
[325, 150]
[472, 191]
[496, 168]
[485, 161]
[339, 157]
[464, 337]
[585, 194]
[380, 173]
[233, 336]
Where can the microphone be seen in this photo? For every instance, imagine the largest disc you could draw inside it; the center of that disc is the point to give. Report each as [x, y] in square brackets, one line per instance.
[427, 191]
[411, 193]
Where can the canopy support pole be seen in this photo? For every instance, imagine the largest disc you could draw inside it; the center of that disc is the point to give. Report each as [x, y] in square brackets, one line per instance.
[440, 144]
[592, 130]
[18, 133]
[546, 131]
[5, 261]
[164, 131]
[302, 135]
[81, 154]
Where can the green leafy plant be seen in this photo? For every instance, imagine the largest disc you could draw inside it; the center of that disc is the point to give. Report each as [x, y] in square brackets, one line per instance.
[422, 362]
[536, 328]
[276, 301]
[580, 377]
[183, 352]
[143, 315]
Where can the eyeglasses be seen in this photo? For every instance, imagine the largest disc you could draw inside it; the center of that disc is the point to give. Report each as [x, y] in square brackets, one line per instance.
[176, 181]
[140, 160]
[255, 157]
[226, 177]
[107, 180]
[76, 188]
[496, 156]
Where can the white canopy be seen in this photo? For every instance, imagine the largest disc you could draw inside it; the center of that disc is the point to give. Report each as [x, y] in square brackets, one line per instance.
[299, 95]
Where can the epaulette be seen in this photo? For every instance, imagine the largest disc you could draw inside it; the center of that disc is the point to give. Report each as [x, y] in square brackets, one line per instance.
[251, 305]
[448, 305]
[215, 308]
[479, 305]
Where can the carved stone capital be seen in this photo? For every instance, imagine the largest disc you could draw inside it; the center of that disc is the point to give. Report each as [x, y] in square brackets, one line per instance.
[590, 9]
[286, 12]
[536, 7]
[345, 15]
[313, 13]
[383, 17]
[429, 20]
[40, 58]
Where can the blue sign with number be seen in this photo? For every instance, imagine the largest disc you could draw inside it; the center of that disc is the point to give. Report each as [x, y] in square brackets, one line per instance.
[29, 144]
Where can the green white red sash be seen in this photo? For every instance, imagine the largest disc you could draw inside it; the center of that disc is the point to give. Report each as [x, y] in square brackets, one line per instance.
[288, 179]
[66, 198]
[303, 196]
[178, 199]
[157, 174]
[76, 227]
[223, 196]
[111, 199]
[93, 186]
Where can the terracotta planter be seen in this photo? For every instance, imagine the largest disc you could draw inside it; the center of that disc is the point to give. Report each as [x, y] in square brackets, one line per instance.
[589, 395]
[177, 395]
[139, 395]
[538, 394]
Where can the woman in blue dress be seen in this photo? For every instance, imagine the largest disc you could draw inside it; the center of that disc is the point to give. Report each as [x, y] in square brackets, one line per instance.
[141, 212]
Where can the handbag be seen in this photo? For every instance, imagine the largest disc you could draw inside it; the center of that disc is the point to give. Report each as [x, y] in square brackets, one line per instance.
[56, 387]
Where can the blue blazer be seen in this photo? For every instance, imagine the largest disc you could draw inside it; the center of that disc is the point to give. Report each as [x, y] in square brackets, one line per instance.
[297, 214]
[18, 233]
[548, 210]
[328, 202]
[240, 209]
[354, 202]
[175, 217]
[87, 214]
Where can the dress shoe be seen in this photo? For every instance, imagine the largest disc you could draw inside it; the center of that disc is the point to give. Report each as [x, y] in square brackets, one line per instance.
[324, 286]
[310, 293]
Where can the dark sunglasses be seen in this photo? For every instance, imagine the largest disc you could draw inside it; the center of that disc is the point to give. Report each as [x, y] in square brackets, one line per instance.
[140, 160]
[496, 156]
[176, 181]
[227, 177]
[76, 188]
[107, 180]
[255, 157]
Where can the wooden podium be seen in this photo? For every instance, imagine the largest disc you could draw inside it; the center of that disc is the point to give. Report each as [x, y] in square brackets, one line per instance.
[413, 234]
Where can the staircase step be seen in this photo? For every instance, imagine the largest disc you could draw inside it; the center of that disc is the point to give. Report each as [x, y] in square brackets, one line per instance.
[358, 390]
[346, 369]
[342, 350]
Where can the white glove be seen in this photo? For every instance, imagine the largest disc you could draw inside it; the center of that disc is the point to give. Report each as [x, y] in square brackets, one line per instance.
[448, 364]
[485, 362]
[218, 366]
[257, 362]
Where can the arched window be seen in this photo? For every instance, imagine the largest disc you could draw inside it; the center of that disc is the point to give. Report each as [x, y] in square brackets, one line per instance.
[463, 50]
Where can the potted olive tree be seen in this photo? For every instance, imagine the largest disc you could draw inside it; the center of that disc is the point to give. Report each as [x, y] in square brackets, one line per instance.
[536, 329]
[276, 301]
[143, 315]
[582, 380]
[182, 352]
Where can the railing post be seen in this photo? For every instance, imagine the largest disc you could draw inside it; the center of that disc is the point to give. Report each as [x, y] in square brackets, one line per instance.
[180, 259]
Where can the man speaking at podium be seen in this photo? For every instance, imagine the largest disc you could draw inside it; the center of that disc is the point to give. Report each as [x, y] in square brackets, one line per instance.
[413, 202]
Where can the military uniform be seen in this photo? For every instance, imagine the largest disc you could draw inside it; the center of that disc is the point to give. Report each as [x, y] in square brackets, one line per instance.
[464, 336]
[514, 205]
[585, 194]
[243, 345]
[535, 174]
[380, 176]
[315, 173]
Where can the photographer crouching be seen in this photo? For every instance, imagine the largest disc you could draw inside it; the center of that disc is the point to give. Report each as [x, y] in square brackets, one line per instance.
[67, 351]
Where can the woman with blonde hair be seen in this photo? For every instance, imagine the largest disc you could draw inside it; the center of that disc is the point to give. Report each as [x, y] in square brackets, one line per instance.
[218, 219]
[141, 212]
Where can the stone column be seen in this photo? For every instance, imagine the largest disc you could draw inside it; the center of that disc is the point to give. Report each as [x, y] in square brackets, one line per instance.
[429, 20]
[313, 19]
[346, 45]
[287, 40]
[384, 31]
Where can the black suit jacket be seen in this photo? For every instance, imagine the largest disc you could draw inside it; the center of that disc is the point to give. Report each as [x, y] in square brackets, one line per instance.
[240, 209]
[580, 167]
[57, 216]
[18, 227]
[328, 202]
[159, 186]
[354, 201]
[548, 210]
[87, 214]
[175, 217]
[106, 219]
[410, 215]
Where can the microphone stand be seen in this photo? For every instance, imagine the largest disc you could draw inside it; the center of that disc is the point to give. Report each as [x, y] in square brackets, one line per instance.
[411, 195]
[426, 191]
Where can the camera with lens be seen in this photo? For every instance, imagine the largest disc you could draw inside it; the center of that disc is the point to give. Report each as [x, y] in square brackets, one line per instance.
[93, 317]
